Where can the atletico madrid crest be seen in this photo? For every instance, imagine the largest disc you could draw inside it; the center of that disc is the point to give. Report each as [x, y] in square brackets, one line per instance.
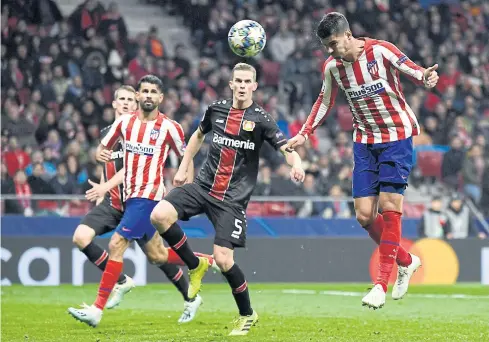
[248, 125]
[373, 67]
[154, 134]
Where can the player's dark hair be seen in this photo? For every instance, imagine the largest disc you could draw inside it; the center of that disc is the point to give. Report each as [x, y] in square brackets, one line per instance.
[151, 79]
[332, 24]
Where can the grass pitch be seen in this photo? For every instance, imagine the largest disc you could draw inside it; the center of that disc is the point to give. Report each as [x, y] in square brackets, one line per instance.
[288, 312]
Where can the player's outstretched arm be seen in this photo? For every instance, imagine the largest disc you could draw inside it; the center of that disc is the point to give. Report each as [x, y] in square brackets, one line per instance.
[193, 146]
[292, 158]
[417, 74]
[190, 172]
[320, 109]
[99, 190]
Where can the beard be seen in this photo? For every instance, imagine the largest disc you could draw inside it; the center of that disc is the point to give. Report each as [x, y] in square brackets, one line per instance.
[148, 107]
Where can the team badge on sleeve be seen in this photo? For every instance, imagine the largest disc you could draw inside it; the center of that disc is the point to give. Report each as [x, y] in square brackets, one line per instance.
[248, 126]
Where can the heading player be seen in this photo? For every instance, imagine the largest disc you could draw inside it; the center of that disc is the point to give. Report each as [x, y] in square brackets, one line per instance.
[222, 190]
[367, 70]
[147, 137]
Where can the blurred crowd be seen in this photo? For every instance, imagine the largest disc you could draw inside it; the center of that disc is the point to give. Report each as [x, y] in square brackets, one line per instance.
[59, 72]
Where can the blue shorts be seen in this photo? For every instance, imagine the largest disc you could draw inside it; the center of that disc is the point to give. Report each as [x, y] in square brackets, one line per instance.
[136, 223]
[381, 167]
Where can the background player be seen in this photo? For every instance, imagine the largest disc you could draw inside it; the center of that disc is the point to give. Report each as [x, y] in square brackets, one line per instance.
[225, 183]
[367, 70]
[108, 213]
[147, 137]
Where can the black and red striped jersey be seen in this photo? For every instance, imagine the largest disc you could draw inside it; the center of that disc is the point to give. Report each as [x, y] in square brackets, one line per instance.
[230, 171]
[116, 195]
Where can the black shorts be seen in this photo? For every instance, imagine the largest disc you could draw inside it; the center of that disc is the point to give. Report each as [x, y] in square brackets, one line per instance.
[228, 220]
[103, 218]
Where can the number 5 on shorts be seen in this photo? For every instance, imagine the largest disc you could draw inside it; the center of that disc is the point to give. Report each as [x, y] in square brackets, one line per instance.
[239, 229]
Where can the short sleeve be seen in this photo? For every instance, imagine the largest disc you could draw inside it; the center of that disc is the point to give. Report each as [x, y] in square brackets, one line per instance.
[113, 134]
[272, 133]
[206, 122]
[177, 138]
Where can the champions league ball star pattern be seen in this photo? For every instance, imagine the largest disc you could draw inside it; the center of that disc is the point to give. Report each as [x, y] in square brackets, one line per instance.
[247, 38]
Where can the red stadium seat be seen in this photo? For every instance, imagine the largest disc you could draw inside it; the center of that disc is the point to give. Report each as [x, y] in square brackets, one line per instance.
[344, 118]
[271, 72]
[108, 94]
[254, 209]
[413, 210]
[47, 205]
[24, 95]
[269, 209]
[429, 163]
[79, 210]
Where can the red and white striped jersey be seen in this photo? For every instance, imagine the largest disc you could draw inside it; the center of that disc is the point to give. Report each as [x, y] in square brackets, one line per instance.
[146, 146]
[373, 90]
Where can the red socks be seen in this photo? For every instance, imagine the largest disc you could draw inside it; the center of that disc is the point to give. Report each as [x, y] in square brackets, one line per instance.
[375, 232]
[389, 246]
[109, 278]
[174, 259]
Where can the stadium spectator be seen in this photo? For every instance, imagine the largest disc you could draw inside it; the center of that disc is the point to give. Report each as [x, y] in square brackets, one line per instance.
[63, 183]
[62, 77]
[472, 172]
[433, 223]
[14, 157]
[452, 163]
[460, 223]
[39, 181]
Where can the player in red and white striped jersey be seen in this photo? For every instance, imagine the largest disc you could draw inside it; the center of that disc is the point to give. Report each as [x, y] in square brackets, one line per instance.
[367, 71]
[146, 147]
[147, 137]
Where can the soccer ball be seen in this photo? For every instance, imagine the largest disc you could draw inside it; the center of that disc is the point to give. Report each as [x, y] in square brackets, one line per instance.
[247, 38]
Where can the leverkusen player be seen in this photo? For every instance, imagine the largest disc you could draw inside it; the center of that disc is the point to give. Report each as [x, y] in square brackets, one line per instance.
[223, 188]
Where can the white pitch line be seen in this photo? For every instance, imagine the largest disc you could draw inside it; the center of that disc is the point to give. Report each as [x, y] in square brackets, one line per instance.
[361, 294]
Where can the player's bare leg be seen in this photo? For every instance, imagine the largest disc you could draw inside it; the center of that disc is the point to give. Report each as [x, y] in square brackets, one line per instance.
[164, 218]
[83, 239]
[366, 209]
[391, 205]
[230, 270]
[158, 254]
[92, 315]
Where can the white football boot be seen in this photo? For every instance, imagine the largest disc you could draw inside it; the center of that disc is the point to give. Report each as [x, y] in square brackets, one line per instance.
[404, 275]
[119, 291]
[190, 310]
[88, 314]
[375, 299]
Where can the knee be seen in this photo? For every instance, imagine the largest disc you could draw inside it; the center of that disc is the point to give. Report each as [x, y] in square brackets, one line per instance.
[83, 236]
[162, 216]
[365, 218]
[224, 260]
[116, 245]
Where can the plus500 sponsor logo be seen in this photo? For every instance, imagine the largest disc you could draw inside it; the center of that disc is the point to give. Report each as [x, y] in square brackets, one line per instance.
[247, 145]
[366, 91]
[140, 149]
